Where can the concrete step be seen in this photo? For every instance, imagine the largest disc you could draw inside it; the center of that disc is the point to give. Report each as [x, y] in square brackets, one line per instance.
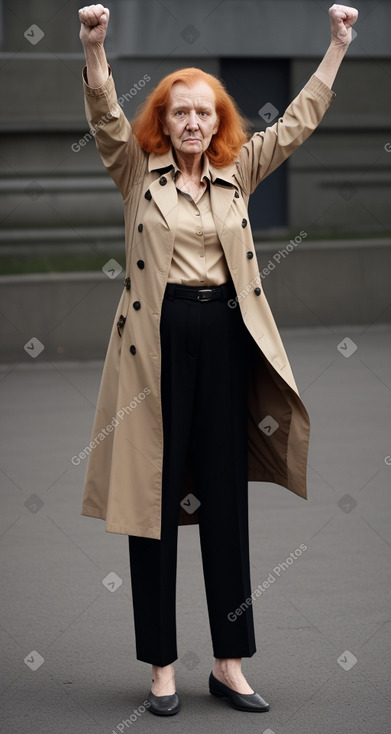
[307, 284]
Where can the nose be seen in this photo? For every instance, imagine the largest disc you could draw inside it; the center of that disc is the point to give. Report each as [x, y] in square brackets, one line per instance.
[192, 123]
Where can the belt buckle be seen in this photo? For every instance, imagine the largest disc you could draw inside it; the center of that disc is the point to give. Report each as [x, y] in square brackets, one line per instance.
[204, 290]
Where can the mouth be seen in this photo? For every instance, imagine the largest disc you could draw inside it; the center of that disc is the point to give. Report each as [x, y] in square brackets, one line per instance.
[192, 140]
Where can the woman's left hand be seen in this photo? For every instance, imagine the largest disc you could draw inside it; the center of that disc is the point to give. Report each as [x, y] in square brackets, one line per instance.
[342, 18]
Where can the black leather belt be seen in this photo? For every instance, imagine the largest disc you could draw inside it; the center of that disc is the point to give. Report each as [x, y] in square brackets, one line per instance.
[196, 293]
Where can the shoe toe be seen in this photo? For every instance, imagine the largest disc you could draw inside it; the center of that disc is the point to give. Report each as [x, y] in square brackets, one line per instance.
[163, 705]
[241, 701]
[250, 702]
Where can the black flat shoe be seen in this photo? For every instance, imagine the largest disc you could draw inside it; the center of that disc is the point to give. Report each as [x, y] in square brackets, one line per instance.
[163, 705]
[241, 701]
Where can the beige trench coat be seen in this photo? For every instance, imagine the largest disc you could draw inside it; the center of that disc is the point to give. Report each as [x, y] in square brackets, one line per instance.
[124, 470]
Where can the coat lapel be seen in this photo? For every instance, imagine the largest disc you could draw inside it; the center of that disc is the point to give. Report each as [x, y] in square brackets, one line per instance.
[165, 196]
[221, 197]
[166, 199]
[222, 192]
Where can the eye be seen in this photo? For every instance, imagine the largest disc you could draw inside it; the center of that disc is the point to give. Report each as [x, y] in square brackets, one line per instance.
[179, 113]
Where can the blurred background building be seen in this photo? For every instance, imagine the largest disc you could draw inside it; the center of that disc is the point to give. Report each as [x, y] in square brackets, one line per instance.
[61, 216]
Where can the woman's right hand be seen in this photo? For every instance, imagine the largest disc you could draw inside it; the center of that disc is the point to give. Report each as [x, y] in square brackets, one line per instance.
[94, 21]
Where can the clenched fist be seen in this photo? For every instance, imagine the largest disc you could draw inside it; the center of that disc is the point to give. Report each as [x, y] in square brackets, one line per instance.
[342, 18]
[94, 21]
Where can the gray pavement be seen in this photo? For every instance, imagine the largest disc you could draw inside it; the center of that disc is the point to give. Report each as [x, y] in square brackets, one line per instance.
[323, 659]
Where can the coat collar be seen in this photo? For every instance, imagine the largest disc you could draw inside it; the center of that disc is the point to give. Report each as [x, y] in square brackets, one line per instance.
[222, 193]
[164, 162]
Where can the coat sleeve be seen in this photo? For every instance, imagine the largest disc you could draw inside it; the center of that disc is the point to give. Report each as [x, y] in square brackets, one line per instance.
[266, 150]
[118, 148]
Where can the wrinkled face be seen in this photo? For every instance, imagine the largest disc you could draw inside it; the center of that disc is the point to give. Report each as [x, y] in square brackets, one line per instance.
[191, 118]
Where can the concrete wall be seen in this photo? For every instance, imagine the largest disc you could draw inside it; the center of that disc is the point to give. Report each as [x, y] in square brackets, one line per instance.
[267, 28]
[339, 180]
[54, 198]
[311, 284]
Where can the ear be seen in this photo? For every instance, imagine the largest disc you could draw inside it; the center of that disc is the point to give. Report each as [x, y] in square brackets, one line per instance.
[216, 127]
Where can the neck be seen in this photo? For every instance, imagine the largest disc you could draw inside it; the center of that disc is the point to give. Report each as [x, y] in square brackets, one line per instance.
[190, 165]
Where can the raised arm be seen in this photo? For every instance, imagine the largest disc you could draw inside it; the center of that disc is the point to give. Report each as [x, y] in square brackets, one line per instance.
[266, 150]
[94, 20]
[342, 18]
[119, 150]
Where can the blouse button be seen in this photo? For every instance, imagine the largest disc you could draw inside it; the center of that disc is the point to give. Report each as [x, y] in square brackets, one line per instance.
[140, 227]
[257, 291]
[244, 223]
[250, 255]
[162, 180]
[199, 232]
[140, 264]
[137, 305]
[132, 349]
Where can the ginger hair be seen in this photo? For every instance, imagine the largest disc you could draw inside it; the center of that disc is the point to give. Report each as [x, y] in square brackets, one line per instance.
[233, 129]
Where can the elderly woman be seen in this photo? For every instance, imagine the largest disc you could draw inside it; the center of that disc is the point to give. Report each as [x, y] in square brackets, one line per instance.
[197, 395]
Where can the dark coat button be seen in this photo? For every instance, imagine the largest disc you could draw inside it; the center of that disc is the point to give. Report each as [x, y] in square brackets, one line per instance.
[244, 223]
[137, 305]
[127, 283]
[132, 349]
[148, 195]
[140, 264]
[140, 227]
[237, 195]
[257, 291]
[250, 255]
[120, 323]
[162, 180]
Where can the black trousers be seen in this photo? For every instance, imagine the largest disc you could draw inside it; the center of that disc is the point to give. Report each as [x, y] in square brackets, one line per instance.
[204, 372]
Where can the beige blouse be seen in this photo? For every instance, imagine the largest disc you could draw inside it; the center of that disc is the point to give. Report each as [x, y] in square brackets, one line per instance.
[198, 257]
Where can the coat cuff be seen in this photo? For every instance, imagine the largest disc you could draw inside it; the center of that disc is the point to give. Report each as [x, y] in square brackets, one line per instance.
[101, 103]
[319, 89]
[98, 91]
